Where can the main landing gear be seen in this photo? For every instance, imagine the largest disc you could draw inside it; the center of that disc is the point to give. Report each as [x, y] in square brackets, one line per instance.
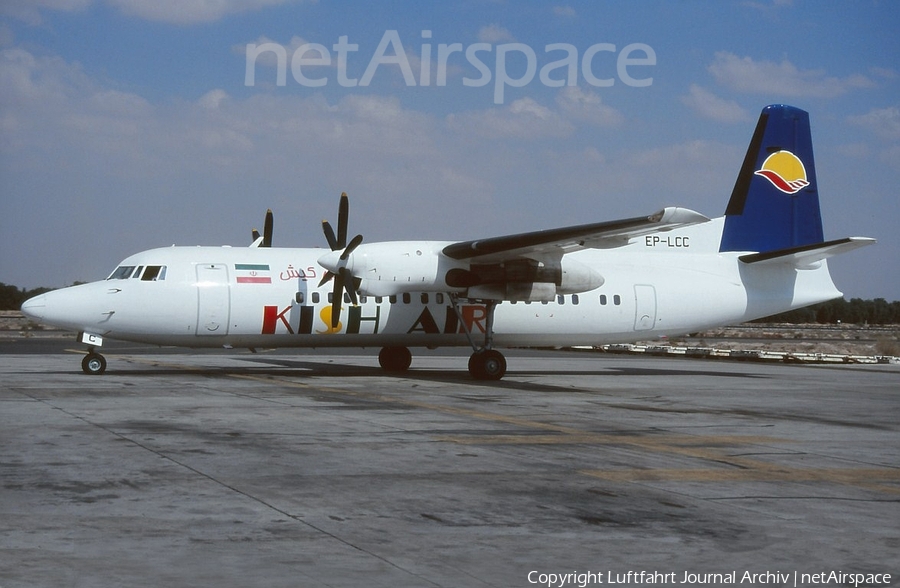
[93, 363]
[395, 359]
[484, 364]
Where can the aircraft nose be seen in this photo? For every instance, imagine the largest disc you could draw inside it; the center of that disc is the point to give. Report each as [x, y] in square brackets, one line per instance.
[35, 307]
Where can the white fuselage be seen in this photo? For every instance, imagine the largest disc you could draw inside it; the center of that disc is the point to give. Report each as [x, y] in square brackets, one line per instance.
[666, 283]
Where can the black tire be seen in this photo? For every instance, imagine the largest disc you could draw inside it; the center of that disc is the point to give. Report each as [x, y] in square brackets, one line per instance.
[487, 365]
[395, 359]
[93, 364]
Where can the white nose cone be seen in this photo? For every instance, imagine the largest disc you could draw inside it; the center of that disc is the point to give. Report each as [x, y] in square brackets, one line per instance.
[35, 307]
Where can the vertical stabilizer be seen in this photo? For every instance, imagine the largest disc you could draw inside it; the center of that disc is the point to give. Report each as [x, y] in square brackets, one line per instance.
[775, 201]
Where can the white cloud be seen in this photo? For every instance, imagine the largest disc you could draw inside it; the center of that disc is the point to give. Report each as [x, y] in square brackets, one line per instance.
[708, 105]
[187, 12]
[886, 73]
[29, 11]
[768, 7]
[523, 119]
[698, 174]
[180, 12]
[883, 122]
[527, 119]
[495, 34]
[743, 74]
[587, 107]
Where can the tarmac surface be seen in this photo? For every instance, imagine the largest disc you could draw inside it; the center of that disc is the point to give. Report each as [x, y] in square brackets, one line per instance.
[317, 469]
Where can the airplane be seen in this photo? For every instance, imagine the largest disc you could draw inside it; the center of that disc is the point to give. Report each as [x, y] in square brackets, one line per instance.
[669, 273]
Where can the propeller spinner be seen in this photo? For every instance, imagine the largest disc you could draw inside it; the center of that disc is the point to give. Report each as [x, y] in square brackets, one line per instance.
[337, 265]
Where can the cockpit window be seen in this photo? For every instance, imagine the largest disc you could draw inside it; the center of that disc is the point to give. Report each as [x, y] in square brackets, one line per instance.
[154, 273]
[123, 272]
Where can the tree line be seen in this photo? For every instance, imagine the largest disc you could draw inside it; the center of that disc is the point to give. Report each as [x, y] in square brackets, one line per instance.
[11, 298]
[855, 311]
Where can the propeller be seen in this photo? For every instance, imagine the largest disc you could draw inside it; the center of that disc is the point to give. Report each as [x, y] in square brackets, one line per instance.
[337, 269]
[267, 231]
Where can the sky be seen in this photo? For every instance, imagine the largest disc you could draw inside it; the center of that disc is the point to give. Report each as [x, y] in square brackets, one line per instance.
[132, 124]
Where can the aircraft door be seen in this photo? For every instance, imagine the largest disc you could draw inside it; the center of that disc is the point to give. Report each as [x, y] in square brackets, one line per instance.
[644, 307]
[213, 299]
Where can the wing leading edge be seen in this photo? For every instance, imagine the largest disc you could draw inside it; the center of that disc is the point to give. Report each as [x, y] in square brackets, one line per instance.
[557, 242]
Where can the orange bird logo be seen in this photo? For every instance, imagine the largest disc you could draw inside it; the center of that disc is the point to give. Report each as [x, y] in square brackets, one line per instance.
[785, 171]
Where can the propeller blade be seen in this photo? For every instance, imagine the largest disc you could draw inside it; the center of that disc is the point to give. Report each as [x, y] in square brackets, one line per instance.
[336, 299]
[354, 243]
[267, 229]
[347, 277]
[329, 235]
[255, 235]
[343, 217]
[325, 279]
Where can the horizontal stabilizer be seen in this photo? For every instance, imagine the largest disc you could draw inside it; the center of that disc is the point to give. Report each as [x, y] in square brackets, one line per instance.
[567, 239]
[807, 255]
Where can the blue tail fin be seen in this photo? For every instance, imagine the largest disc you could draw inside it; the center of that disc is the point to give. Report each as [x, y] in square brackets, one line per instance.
[775, 201]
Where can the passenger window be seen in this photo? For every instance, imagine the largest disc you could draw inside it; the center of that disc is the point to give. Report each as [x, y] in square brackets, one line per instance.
[363, 299]
[154, 273]
[299, 297]
[617, 300]
[123, 272]
[603, 299]
[393, 299]
[406, 298]
[560, 299]
[315, 297]
[439, 298]
[378, 299]
[424, 298]
[574, 298]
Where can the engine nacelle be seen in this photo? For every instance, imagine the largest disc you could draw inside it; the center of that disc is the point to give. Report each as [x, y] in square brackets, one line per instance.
[576, 277]
[390, 268]
[525, 279]
[386, 269]
[524, 291]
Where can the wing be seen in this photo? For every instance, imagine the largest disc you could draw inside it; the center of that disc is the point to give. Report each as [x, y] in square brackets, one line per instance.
[557, 242]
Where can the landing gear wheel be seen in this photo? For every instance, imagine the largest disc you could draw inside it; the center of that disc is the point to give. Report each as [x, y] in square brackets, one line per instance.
[395, 359]
[93, 364]
[487, 364]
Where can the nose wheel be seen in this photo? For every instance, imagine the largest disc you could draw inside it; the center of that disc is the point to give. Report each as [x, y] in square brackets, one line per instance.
[93, 364]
